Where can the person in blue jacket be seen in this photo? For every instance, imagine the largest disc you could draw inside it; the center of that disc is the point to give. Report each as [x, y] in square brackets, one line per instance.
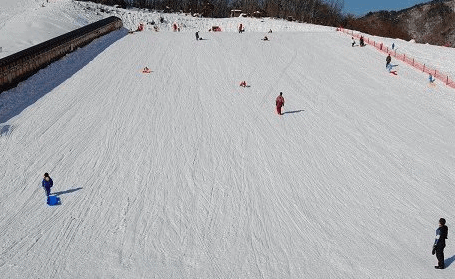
[47, 183]
[440, 243]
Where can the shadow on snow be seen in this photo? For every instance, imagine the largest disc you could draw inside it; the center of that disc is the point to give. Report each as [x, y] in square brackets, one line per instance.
[449, 261]
[4, 130]
[293, 111]
[66, 191]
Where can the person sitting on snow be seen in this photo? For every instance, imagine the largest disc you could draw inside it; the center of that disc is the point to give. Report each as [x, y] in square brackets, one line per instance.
[265, 38]
[243, 84]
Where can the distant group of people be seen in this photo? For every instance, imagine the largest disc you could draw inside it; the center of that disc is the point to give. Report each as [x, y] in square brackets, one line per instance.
[388, 59]
[361, 41]
[176, 27]
[389, 67]
[241, 29]
[265, 37]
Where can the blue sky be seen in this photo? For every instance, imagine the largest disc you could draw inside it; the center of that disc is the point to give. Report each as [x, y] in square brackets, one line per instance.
[361, 7]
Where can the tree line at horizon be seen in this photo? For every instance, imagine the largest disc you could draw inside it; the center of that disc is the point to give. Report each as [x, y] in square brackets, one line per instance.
[321, 12]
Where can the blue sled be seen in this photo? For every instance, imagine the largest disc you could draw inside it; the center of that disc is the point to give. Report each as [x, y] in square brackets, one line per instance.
[53, 200]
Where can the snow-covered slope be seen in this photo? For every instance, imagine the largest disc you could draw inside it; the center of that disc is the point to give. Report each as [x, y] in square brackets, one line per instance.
[436, 57]
[181, 173]
[26, 23]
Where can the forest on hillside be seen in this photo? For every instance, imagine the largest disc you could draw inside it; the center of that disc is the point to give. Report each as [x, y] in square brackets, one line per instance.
[390, 24]
[322, 12]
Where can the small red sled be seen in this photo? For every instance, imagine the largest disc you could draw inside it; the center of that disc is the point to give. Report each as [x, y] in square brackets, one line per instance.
[146, 70]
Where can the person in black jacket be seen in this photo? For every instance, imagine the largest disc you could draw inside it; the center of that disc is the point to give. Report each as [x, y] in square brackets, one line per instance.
[440, 243]
[388, 60]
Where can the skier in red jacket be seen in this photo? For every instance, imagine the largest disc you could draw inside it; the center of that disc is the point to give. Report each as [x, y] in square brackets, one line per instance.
[279, 103]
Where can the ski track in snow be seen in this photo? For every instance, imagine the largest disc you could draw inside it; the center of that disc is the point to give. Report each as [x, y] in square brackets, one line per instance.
[181, 173]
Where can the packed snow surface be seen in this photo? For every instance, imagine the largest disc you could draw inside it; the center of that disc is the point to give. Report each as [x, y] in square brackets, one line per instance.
[182, 173]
